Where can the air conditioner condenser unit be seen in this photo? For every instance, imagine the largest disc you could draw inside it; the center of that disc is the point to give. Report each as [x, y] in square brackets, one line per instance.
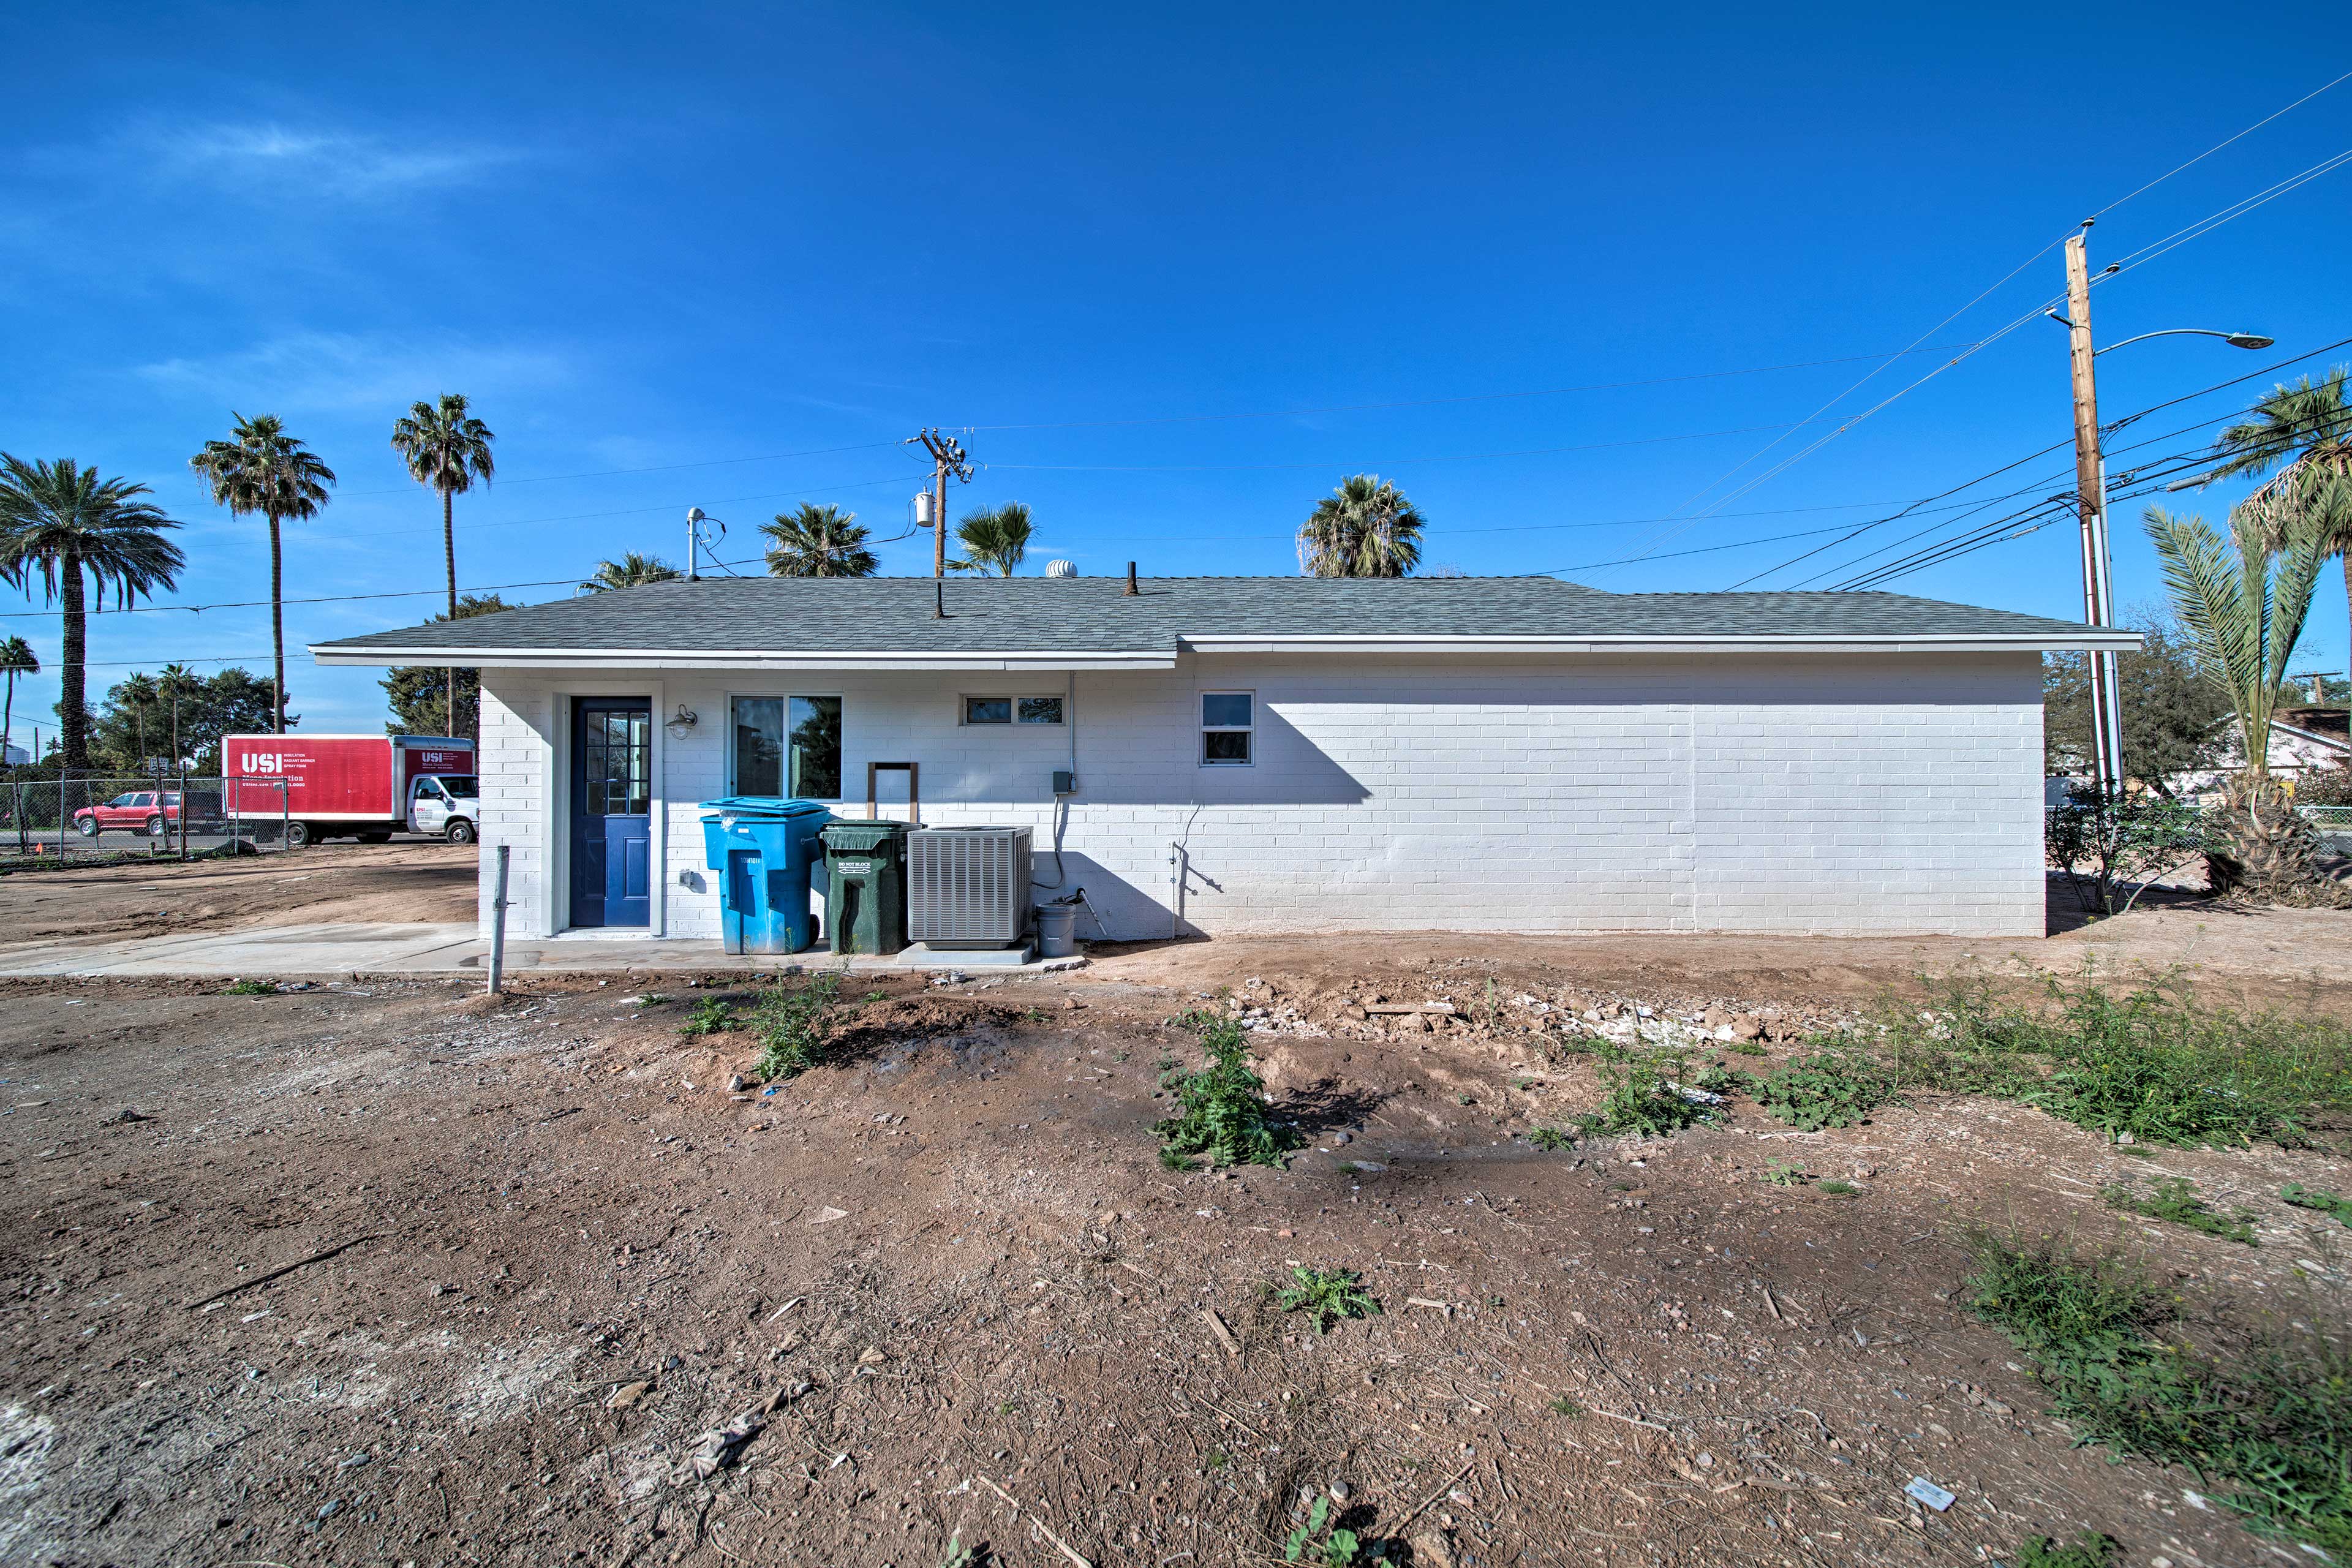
[968, 887]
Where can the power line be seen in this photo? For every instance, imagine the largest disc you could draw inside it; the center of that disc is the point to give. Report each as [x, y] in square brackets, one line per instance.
[2118, 425]
[2231, 214]
[2217, 146]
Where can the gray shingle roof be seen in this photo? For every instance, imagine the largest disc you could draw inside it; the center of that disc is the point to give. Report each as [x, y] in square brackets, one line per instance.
[1092, 615]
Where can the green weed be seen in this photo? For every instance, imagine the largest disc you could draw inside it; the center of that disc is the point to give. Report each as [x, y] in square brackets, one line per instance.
[790, 1026]
[1328, 1296]
[2270, 1425]
[1640, 1102]
[1566, 1406]
[962, 1556]
[1786, 1174]
[2088, 1550]
[652, 999]
[1223, 1119]
[1824, 1090]
[2303, 1197]
[711, 1016]
[2154, 1063]
[2174, 1200]
[1839, 1189]
[1555, 1139]
[1319, 1540]
[1745, 1049]
[251, 988]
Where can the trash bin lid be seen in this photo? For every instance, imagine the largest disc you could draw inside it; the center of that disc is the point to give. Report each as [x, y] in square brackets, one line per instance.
[763, 805]
[857, 836]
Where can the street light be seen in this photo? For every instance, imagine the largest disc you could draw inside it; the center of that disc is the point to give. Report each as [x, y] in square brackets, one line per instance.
[2090, 490]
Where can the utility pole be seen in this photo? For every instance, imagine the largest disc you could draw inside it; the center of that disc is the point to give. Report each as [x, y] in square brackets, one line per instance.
[947, 458]
[2090, 493]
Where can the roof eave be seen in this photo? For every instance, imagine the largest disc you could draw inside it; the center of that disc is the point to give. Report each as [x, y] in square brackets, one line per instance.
[337, 654]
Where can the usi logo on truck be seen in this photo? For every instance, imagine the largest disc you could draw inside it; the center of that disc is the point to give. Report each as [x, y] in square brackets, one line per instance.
[443, 763]
[253, 762]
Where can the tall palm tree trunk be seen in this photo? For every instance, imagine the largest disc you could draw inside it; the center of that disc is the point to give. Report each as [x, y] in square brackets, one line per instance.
[449, 560]
[277, 628]
[9, 717]
[73, 718]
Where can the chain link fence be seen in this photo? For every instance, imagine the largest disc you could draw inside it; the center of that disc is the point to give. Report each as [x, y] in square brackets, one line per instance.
[2335, 824]
[171, 818]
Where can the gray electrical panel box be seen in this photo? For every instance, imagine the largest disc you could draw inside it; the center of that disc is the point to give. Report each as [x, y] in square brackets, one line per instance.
[1064, 782]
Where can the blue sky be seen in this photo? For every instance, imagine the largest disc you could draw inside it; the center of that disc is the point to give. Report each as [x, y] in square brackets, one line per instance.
[1179, 275]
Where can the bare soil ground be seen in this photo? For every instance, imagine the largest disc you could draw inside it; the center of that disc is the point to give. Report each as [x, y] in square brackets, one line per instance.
[348, 884]
[973, 1306]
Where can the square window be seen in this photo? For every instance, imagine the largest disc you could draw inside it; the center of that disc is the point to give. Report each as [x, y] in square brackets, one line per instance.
[987, 711]
[787, 746]
[1225, 746]
[1225, 710]
[1041, 709]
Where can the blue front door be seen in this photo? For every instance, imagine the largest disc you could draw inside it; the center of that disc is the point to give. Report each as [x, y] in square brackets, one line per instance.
[612, 811]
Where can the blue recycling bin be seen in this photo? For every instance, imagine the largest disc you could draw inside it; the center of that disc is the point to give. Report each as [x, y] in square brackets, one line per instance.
[763, 848]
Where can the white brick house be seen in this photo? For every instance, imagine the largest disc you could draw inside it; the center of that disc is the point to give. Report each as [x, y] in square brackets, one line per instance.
[1294, 754]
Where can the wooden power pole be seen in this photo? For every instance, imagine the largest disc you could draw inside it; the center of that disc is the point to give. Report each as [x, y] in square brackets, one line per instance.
[948, 460]
[2091, 495]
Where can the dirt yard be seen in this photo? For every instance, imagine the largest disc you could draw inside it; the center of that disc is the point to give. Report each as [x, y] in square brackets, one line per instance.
[391, 1273]
[349, 884]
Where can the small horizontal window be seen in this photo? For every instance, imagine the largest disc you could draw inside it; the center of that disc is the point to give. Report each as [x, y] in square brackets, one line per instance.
[1012, 710]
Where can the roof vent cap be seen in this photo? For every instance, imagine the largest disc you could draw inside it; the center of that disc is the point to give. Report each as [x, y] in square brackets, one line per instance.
[1060, 569]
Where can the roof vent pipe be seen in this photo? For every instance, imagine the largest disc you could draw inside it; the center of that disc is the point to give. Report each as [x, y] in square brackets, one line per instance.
[1131, 589]
[938, 601]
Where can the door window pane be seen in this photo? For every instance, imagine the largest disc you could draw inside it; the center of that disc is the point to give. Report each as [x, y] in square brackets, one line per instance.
[817, 748]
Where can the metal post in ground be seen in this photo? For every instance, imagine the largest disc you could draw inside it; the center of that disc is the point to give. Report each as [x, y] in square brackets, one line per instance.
[499, 926]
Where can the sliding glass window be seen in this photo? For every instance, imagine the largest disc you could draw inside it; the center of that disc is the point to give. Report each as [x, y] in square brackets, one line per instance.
[787, 746]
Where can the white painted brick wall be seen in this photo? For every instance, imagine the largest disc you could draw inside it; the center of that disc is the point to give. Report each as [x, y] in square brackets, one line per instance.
[1829, 795]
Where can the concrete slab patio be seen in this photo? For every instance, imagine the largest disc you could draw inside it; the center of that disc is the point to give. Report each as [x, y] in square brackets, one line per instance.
[295, 952]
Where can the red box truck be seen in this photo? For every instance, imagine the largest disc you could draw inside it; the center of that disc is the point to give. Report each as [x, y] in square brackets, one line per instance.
[367, 788]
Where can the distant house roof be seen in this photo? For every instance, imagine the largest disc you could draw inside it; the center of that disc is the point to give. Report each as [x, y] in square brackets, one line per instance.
[2328, 724]
[1091, 622]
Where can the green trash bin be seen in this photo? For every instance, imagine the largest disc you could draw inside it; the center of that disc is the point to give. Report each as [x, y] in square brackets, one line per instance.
[865, 898]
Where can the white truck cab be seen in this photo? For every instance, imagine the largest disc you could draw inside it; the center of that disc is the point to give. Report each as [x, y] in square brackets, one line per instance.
[445, 804]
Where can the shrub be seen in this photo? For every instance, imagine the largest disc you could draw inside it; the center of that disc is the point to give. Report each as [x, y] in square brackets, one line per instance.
[1824, 1090]
[2101, 840]
[1640, 1101]
[790, 1025]
[2271, 1424]
[1221, 1116]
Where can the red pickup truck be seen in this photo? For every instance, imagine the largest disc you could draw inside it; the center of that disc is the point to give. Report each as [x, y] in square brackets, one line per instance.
[151, 811]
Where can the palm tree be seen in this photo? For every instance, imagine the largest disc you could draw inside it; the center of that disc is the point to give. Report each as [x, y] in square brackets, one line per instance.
[994, 539]
[818, 542]
[138, 693]
[176, 685]
[1364, 529]
[2244, 606]
[2303, 432]
[447, 449]
[262, 468]
[61, 519]
[633, 570]
[16, 658]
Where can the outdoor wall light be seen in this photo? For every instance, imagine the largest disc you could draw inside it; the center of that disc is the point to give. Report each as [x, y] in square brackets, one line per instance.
[682, 722]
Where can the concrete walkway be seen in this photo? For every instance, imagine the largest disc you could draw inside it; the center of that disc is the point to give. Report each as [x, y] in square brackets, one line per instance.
[298, 951]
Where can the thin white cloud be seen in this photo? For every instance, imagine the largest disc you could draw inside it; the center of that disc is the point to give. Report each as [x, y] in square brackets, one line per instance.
[341, 163]
[343, 371]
